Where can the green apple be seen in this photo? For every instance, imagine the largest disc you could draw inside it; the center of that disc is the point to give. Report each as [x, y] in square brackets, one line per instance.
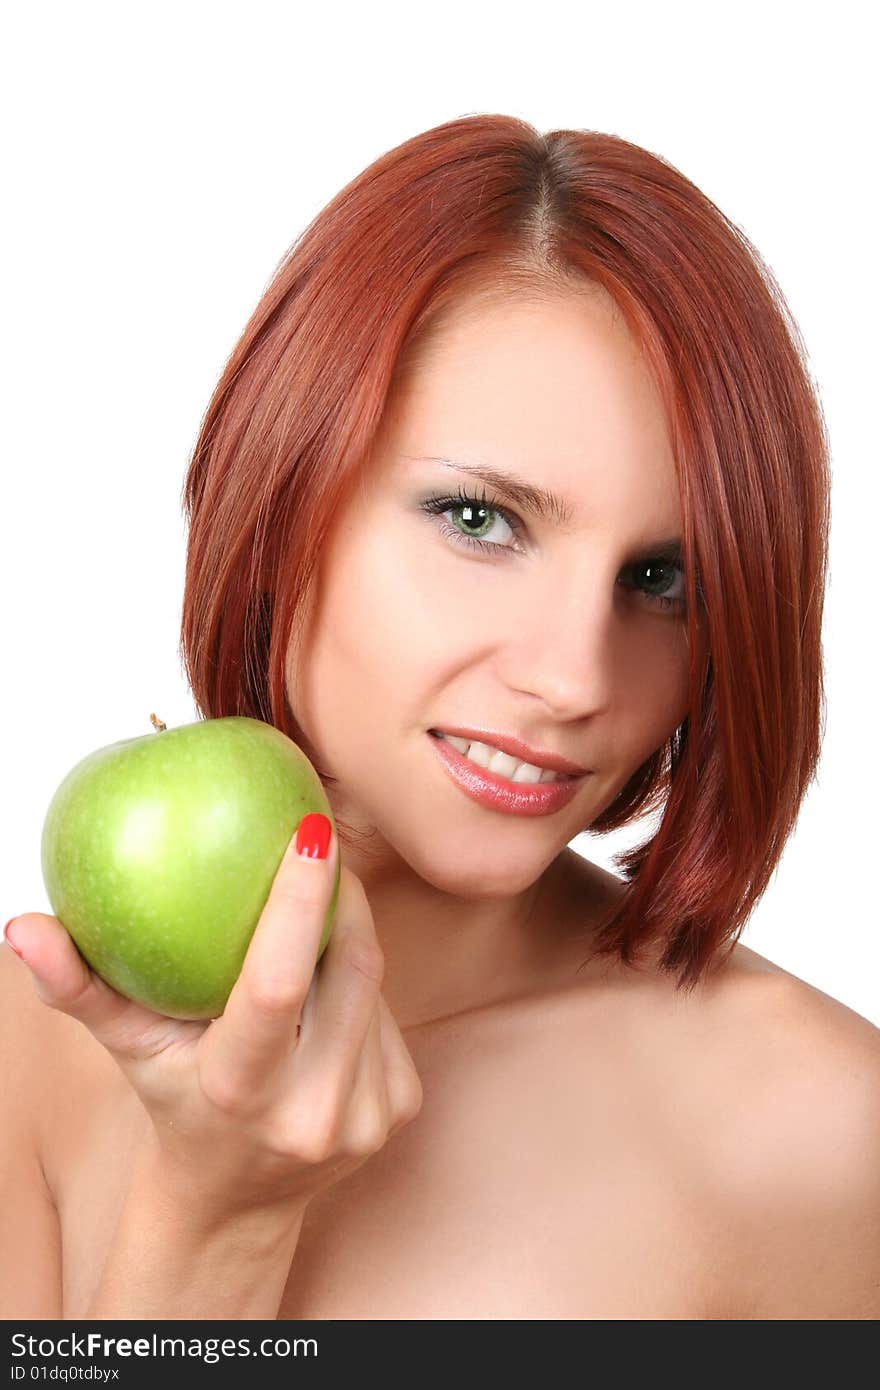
[158, 854]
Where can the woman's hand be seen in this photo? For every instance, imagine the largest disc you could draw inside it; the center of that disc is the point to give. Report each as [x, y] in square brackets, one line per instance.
[303, 1077]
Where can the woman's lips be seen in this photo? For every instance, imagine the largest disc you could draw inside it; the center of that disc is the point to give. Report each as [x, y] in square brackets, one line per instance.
[499, 793]
[516, 748]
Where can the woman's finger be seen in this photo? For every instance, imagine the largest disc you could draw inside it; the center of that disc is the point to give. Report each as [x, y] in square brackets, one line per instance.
[258, 1028]
[367, 1116]
[402, 1080]
[350, 978]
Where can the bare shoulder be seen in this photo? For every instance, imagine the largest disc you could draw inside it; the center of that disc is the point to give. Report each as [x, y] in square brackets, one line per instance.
[797, 1163]
[759, 1097]
[792, 1035]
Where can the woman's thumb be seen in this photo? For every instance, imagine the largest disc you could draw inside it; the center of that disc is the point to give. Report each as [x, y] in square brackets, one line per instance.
[63, 981]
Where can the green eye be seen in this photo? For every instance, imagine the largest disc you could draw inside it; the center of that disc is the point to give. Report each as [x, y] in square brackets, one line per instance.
[483, 512]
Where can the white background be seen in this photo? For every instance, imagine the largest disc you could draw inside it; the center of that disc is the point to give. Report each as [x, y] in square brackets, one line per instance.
[158, 163]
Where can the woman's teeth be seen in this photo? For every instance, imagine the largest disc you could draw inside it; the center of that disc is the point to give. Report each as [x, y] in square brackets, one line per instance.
[502, 764]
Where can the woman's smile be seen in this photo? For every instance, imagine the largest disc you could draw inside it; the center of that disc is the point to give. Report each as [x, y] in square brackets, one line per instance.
[501, 790]
[550, 602]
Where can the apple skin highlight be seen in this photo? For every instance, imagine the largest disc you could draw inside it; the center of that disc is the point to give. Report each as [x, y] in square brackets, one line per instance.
[158, 853]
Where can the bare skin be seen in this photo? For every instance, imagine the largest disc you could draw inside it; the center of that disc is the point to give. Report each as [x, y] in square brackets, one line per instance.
[546, 634]
[598, 1148]
[591, 1143]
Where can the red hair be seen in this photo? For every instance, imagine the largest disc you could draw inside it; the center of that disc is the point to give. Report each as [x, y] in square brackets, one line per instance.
[487, 204]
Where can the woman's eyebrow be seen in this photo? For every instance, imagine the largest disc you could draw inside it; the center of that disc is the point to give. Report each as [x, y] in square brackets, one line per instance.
[543, 504]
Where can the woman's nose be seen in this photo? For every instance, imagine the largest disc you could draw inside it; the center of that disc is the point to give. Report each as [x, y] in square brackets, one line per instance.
[562, 650]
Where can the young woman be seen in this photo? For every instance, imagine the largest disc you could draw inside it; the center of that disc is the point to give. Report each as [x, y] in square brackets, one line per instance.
[511, 509]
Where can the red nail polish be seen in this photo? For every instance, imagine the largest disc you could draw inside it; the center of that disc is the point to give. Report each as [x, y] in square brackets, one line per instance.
[313, 836]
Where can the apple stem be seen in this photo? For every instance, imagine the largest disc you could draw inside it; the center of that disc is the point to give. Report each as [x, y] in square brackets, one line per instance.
[157, 723]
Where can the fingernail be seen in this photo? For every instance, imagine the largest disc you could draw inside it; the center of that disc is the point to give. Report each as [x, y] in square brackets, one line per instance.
[313, 836]
[8, 938]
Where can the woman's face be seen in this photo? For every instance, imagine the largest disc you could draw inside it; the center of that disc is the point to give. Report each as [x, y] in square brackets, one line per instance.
[551, 633]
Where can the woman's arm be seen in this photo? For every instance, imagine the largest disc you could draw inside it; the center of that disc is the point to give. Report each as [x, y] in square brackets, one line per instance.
[302, 1079]
[170, 1257]
[30, 1237]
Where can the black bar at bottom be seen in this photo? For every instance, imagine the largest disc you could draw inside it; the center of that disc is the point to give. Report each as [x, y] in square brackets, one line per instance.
[132, 1353]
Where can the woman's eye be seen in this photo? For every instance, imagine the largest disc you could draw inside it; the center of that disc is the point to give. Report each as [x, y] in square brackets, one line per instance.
[660, 580]
[663, 580]
[475, 520]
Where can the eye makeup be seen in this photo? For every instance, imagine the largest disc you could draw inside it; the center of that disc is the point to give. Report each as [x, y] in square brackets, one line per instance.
[662, 563]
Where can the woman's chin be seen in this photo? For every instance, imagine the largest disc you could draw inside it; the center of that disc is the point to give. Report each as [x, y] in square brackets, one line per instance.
[482, 883]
